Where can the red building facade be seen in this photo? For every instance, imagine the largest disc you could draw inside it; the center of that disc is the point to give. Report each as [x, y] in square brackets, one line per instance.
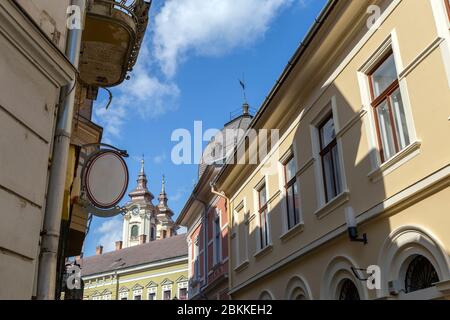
[206, 218]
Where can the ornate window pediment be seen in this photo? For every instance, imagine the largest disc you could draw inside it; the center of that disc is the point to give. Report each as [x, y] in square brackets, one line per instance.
[124, 289]
[166, 282]
[137, 287]
[182, 279]
[151, 284]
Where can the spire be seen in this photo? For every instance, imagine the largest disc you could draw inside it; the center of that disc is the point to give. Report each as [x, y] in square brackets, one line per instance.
[142, 166]
[163, 188]
[142, 179]
[163, 196]
[141, 189]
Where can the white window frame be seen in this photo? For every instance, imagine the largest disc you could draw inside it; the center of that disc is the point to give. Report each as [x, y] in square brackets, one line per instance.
[291, 152]
[107, 296]
[379, 168]
[443, 27]
[165, 288]
[329, 107]
[138, 292]
[124, 294]
[152, 290]
[183, 285]
[256, 191]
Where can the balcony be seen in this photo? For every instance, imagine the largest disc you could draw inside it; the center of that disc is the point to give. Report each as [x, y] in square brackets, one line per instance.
[113, 34]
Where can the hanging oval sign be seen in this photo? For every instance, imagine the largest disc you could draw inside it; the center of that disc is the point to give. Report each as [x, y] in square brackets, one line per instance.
[106, 179]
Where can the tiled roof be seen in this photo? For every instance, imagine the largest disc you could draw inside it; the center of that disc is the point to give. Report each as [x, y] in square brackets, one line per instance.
[155, 251]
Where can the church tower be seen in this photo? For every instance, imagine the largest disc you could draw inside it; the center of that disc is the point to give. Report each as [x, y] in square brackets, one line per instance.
[144, 222]
[166, 225]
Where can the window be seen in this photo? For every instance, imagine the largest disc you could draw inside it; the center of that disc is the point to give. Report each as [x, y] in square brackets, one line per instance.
[420, 274]
[152, 233]
[389, 111]
[107, 296]
[217, 239]
[151, 296]
[331, 171]
[292, 195]
[348, 291]
[263, 213]
[134, 232]
[137, 294]
[241, 227]
[123, 295]
[196, 259]
[182, 293]
[167, 295]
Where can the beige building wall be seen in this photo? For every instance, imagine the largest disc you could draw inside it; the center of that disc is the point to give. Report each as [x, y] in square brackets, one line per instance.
[32, 70]
[402, 204]
[126, 284]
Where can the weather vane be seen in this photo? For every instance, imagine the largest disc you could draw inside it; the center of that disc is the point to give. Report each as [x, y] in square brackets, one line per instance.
[242, 83]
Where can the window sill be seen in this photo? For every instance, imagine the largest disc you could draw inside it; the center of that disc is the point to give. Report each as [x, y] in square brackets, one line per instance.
[291, 233]
[395, 162]
[264, 251]
[242, 266]
[443, 286]
[332, 205]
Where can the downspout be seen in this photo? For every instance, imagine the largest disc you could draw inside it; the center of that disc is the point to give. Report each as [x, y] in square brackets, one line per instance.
[223, 195]
[55, 194]
[205, 241]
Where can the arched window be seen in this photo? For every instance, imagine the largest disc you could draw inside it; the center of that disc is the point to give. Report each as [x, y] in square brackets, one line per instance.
[265, 296]
[348, 291]
[134, 231]
[420, 274]
[298, 294]
[152, 233]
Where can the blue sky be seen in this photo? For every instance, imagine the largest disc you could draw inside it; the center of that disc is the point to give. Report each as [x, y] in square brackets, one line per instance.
[193, 55]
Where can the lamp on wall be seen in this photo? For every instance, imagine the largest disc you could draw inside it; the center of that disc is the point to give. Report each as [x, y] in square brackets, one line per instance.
[352, 227]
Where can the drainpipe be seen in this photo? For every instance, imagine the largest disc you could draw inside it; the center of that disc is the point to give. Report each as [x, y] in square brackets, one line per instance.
[223, 195]
[55, 194]
[205, 241]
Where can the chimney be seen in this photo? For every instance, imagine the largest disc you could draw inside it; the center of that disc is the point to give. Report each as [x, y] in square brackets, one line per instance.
[142, 239]
[78, 258]
[99, 250]
[119, 245]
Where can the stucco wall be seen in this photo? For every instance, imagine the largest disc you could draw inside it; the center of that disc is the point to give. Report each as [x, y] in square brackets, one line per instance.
[420, 50]
[29, 90]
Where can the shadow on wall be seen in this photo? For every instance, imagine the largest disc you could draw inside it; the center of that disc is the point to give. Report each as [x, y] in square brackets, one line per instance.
[326, 255]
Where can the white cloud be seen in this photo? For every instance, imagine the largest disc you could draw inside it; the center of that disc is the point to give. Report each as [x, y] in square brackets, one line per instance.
[109, 232]
[210, 27]
[159, 159]
[182, 28]
[144, 94]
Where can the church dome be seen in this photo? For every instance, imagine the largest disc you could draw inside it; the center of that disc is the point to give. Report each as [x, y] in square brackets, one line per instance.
[222, 145]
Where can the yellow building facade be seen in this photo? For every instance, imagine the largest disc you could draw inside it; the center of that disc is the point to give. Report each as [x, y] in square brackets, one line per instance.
[152, 271]
[363, 112]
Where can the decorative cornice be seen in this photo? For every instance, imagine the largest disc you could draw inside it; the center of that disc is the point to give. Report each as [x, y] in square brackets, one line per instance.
[29, 40]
